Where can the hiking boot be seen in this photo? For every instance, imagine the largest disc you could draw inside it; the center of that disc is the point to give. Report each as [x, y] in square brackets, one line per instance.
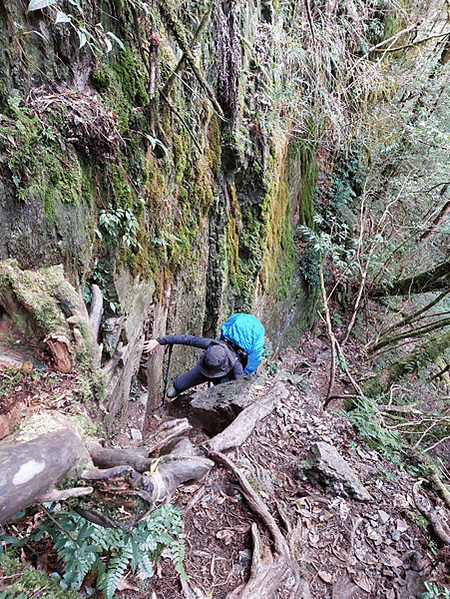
[172, 393]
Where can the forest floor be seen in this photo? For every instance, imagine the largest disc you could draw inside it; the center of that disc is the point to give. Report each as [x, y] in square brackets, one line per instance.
[346, 549]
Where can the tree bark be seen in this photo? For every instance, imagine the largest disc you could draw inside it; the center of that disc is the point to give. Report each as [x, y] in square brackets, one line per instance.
[435, 279]
[29, 469]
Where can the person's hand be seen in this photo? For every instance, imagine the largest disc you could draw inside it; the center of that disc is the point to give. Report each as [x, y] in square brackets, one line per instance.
[150, 346]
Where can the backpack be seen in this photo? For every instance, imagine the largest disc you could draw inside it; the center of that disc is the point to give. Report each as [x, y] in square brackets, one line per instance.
[245, 332]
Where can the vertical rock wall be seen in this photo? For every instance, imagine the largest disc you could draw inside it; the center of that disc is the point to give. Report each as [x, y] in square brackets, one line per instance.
[149, 157]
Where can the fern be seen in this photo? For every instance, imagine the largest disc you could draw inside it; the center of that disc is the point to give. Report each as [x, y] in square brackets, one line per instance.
[86, 547]
[388, 443]
[117, 566]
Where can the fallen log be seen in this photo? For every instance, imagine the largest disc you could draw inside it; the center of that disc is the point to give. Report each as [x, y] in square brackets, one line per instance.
[30, 470]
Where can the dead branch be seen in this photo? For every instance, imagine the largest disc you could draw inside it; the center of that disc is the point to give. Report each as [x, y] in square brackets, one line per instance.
[177, 30]
[96, 311]
[427, 510]
[417, 332]
[411, 318]
[56, 495]
[201, 28]
[330, 335]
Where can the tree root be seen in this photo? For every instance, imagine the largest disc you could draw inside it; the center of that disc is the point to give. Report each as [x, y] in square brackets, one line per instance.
[242, 426]
[269, 570]
[427, 510]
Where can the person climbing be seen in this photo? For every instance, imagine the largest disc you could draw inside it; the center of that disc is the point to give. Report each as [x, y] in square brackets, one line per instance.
[237, 352]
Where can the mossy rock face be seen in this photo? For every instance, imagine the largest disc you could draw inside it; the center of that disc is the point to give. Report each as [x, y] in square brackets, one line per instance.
[41, 302]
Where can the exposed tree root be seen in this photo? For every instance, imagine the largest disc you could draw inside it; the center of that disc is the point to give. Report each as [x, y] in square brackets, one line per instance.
[269, 569]
[241, 428]
[427, 510]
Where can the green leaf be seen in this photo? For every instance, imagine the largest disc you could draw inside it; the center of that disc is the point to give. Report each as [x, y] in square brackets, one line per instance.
[82, 37]
[116, 39]
[61, 17]
[40, 4]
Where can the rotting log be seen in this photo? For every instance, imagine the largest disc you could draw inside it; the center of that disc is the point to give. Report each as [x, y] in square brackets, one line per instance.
[29, 471]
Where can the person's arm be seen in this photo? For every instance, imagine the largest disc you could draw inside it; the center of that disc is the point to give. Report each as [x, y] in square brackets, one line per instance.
[237, 371]
[201, 342]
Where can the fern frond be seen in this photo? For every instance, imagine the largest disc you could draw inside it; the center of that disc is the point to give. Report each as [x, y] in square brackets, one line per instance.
[117, 566]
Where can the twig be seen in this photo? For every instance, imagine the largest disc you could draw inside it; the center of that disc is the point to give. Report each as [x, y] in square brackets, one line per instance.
[178, 33]
[331, 336]
[183, 122]
[437, 443]
[414, 44]
[310, 21]
[60, 527]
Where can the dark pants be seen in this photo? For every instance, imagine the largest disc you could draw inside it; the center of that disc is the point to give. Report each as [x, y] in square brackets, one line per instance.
[192, 378]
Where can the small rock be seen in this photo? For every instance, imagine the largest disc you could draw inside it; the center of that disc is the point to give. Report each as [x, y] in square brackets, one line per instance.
[395, 536]
[384, 517]
[245, 557]
[136, 434]
[402, 526]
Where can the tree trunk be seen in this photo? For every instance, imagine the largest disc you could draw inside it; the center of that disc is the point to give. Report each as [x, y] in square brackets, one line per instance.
[435, 279]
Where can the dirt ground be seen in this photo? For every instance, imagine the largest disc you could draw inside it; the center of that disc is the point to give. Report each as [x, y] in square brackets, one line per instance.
[344, 548]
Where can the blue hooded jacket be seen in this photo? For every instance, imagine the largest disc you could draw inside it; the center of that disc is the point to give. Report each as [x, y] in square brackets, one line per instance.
[247, 332]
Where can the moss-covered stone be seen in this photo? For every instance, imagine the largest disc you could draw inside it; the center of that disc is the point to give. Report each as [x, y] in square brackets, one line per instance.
[26, 579]
[39, 302]
[133, 77]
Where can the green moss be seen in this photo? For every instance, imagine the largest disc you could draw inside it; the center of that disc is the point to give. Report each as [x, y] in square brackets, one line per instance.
[123, 193]
[100, 79]
[132, 76]
[309, 174]
[180, 154]
[26, 579]
[10, 378]
[213, 149]
[36, 297]
[234, 225]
